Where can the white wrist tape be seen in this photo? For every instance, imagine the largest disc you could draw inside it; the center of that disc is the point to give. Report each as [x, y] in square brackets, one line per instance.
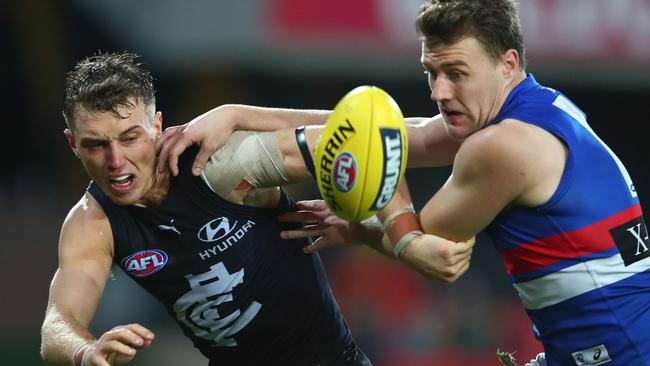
[82, 347]
[394, 214]
[405, 241]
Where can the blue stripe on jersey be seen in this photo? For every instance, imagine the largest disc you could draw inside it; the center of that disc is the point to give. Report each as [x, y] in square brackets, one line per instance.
[617, 316]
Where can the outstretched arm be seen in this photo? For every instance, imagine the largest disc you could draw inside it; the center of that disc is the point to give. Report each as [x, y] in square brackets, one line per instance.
[212, 129]
[85, 257]
[430, 145]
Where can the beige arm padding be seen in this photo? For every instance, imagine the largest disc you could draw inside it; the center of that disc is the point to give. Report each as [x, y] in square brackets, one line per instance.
[248, 160]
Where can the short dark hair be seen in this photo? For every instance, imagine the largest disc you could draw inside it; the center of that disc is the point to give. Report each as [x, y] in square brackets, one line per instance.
[105, 82]
[494, 23]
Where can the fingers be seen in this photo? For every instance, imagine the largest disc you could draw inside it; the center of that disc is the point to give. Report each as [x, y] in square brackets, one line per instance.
[168, 133]
[179, 145]
[315, 205]
[120, 343]
[461, 251]
[98, 362]
[133, 335]
[299, 216]
[202, 157]
[165, 143]
[306, 232]
[309, 211]
[317, 245]
[457, 263]
[145, 334]
[117, 347]
[461, 271]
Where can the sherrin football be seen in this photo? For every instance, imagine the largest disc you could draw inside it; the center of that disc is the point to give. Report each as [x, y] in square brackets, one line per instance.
[361, 155]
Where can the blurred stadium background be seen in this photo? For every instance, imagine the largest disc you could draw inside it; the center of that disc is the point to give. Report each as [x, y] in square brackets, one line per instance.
[290, 53]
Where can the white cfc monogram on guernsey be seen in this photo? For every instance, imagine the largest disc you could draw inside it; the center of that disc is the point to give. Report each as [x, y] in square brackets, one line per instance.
[200, 314]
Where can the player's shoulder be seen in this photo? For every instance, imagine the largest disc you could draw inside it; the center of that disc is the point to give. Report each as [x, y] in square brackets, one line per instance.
[503, 139]
[494, 143]
[87, 208]
[85, 234]
[510, 147]
[86, 218]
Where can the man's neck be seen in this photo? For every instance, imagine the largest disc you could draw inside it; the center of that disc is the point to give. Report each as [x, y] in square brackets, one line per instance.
[157, 192]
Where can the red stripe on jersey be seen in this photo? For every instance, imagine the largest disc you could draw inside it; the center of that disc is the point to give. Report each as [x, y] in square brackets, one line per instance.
[540, 253]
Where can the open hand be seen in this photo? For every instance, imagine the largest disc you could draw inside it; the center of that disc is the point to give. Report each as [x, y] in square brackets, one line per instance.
[320, 221]
[118, 346]
[210, 131]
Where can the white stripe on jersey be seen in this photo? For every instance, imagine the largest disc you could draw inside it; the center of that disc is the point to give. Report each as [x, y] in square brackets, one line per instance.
[576, 280]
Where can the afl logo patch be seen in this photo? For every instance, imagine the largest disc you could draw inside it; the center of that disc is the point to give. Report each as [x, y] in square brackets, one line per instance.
[344, 172]
[144, 263]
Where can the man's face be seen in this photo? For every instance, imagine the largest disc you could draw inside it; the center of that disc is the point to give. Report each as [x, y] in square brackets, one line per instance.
[118, 153]
[467, 84]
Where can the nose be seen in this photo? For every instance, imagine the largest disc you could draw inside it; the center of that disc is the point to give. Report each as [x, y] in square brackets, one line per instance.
[441, 89]
[115, 156]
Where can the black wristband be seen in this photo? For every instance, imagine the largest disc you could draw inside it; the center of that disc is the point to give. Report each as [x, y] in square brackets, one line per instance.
[304, 150]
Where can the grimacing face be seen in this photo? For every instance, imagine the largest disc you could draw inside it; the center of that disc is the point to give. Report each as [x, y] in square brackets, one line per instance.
[468, 85]
[118, 153]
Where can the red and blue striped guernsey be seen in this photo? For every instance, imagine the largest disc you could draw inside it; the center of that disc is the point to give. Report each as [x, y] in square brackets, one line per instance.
[580, 262]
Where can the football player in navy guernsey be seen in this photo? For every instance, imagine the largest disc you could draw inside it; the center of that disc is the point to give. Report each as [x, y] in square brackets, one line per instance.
[207, 247]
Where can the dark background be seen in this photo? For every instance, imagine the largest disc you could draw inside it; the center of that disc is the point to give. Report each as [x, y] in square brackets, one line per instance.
[397, 317]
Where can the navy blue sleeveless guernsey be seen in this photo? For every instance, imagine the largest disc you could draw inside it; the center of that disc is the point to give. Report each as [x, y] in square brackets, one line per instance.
[243, 295]
[580, 262]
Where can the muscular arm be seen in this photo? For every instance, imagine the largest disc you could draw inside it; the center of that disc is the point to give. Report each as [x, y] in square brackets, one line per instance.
[84, 264]
[244, 169]
[212, 129]
[85, 257]
[429, 145]
[508, 164]
[254, 118]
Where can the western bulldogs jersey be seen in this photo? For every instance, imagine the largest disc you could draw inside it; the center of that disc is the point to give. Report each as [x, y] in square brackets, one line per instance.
[242, 294]
[580, 262]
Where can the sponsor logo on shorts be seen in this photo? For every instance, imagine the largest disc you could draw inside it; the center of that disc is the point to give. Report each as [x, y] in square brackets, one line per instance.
[145, 262]
[631, 238]
[392, 145]
[344, 172]
[593, 356]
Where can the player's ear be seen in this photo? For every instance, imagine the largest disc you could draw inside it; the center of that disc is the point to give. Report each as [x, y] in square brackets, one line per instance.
[158, 121]
[70, 137]
[511, 62]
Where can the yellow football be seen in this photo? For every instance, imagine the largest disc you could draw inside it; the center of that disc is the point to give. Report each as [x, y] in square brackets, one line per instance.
[361, 154]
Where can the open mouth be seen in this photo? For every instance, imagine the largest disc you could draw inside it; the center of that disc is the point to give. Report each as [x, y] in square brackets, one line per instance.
[121, 183]
[451, 113]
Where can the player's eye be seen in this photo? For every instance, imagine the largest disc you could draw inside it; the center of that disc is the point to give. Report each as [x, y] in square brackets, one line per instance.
[455, 75]
[129, 139]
